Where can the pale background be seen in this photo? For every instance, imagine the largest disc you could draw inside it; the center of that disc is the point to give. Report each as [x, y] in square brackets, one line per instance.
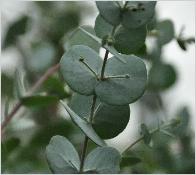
[183, 93]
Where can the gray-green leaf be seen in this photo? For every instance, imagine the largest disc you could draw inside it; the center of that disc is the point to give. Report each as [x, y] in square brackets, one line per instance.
[85, 126]
[62, 156]
[81, 104]
[77, 75]
[120, 91]
[103, 160]
[80, 37]
[102, 28]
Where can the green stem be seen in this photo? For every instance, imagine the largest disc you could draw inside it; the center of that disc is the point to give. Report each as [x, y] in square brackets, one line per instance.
[151, 132]
[85, 145]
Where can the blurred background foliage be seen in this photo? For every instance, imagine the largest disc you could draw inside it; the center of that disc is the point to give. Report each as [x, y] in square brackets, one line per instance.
[41, 40]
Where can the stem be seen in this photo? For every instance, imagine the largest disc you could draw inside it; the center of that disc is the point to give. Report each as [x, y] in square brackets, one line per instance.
[85, 145]
[151, 132]
[104, 64]
[140, 139]
[47, 74]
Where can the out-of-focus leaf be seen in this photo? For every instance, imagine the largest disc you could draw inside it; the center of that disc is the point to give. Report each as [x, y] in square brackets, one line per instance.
[62, 156]
[146, 134]
[129, 161]
[103, 160]
[7, 85]
[19, 84]
[110, 11]
[16, 29]
[161, 76]
[85, 126]
[41, 58]
[8, 146]
[76, 74]
[38, 101]
[165, 31]
[78, 37]
[54, 86]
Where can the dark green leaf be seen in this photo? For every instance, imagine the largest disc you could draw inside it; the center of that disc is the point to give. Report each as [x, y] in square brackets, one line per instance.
[80, 37]
[84, 126]
[38, 101]
[120, 91]
[129, 161]
[54, 86]
[146, 134]
[161, 76]
[77, 75]
[128, 41]
[15, 29]
[7, 85]
[62, 156]
[102, 28]
[165, 31]
[109, 121]
[138, 13]
[110, 11]
[8, 146]
[103, 160]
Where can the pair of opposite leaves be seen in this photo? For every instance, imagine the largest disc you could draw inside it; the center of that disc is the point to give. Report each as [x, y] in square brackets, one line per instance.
[63, 158]
[112, 90]
[130, 23]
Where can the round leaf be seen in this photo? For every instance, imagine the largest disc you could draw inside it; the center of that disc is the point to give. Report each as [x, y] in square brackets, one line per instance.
[102, 28]
[109, 121]
[138, 13]
[120, 91]
[76, 73]
[110, 11]
[85, 126]
[161, 76]
[129, 41]
[103, 160]
[165, 31]
[62, 156]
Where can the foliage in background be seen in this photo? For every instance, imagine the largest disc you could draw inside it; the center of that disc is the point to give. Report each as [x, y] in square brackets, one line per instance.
[23, 150]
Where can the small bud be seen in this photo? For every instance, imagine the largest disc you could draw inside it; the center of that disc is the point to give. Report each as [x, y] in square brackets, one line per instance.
[143, 9]
[140, 4]
[81, 59]
[127, 76]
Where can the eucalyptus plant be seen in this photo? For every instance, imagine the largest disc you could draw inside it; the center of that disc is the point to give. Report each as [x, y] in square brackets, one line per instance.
[104, 88]
[98, 91]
